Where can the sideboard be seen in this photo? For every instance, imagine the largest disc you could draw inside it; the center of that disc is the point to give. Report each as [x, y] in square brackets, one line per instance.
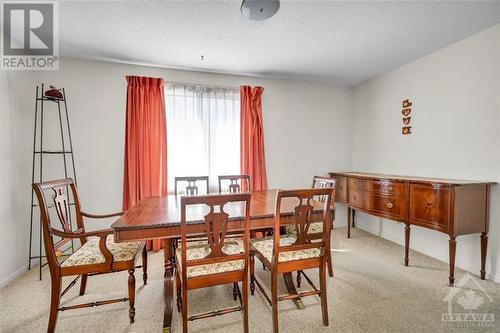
[454, 207]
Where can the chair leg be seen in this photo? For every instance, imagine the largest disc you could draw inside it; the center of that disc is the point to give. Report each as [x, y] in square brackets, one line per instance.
[322, 287]
[54, 304]
[252, 274]
[174, 251]
[179, 291]
[329, 261]
[145, 265]
[274, 300]
[184, 310]
[299, 279]
[131, 294]
[244, 286]
[83, 284]
[235, 291]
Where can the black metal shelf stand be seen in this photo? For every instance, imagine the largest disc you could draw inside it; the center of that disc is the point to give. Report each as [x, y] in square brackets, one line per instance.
[39, 152]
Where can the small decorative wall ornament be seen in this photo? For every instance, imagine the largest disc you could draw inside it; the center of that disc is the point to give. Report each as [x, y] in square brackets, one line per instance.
[406, 111]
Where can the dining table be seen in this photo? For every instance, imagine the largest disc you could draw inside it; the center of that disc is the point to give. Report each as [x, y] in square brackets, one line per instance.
[160, 218]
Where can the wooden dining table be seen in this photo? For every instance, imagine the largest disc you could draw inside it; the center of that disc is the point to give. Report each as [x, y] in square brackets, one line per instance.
[160, 218]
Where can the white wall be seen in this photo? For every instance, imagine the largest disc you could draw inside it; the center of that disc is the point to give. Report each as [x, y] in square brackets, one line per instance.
[307, 132]
[16, 102]
[456, 124]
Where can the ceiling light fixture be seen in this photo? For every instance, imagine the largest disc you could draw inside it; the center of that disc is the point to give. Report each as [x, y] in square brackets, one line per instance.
[259, 10]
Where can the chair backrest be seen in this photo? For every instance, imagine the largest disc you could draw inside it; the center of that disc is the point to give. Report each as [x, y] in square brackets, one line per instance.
[215, 225]
[191, 188]
[61, 203]
[305, 207]
[323, 182]
[234, 186]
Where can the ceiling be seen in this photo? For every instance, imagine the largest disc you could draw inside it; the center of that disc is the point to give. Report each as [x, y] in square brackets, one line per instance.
[339, 42]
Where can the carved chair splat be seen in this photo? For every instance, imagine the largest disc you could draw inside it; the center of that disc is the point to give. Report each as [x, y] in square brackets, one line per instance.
[192, 187]
[323, 182]
[234, 186]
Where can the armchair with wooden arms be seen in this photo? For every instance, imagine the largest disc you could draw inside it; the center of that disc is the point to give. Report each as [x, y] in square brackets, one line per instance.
[98, 253]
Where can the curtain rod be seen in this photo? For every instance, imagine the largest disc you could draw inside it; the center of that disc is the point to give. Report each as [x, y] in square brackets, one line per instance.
[201, 85]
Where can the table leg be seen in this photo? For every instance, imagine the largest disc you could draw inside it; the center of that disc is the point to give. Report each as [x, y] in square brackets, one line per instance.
[453, 248]
[290, 287]
[484, 247]
[353, 215]
[407, 243]
[349, 217]
[168, 285]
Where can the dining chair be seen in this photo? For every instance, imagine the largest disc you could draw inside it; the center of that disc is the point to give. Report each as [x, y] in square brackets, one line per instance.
[234, 186]
[323, 182]
[290, 253]
[316, 228]
[192, 187]
[218, 261]
[98, 254]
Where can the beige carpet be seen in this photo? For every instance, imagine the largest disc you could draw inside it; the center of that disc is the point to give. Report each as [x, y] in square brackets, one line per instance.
[371, 292]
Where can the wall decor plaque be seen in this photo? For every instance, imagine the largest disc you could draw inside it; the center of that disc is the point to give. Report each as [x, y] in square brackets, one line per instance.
[406, 111]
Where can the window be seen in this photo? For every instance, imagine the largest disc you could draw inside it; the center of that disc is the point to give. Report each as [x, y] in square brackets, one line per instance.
[203, 132]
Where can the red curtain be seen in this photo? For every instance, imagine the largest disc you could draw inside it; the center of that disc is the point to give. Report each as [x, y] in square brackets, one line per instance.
[145, 168]
[252, 158]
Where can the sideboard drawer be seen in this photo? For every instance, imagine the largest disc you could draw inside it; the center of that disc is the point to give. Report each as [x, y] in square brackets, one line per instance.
[379, 186]
[383, 205]
[430, 205]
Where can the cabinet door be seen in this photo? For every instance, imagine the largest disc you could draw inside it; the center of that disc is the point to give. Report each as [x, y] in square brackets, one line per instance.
[430, 206]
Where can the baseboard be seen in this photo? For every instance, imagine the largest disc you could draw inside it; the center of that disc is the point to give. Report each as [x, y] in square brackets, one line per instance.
[12, 277]
[494, 278]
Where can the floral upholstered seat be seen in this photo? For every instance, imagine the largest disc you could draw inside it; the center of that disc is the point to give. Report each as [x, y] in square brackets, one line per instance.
[265, 247]
[89, 253]
[314, 228]
[200, 251]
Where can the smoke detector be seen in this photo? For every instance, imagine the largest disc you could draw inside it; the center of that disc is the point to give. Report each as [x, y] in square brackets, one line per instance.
[259, 10]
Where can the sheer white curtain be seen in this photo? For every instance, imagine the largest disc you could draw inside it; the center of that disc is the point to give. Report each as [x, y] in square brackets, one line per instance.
[203, 132]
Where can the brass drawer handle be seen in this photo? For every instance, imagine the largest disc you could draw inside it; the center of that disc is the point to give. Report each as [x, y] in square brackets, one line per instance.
[389, 188]
[429, 204]
[390, 205]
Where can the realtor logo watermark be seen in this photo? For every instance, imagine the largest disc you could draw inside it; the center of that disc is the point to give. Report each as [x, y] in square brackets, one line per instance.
[30, 36]
[468, 297]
